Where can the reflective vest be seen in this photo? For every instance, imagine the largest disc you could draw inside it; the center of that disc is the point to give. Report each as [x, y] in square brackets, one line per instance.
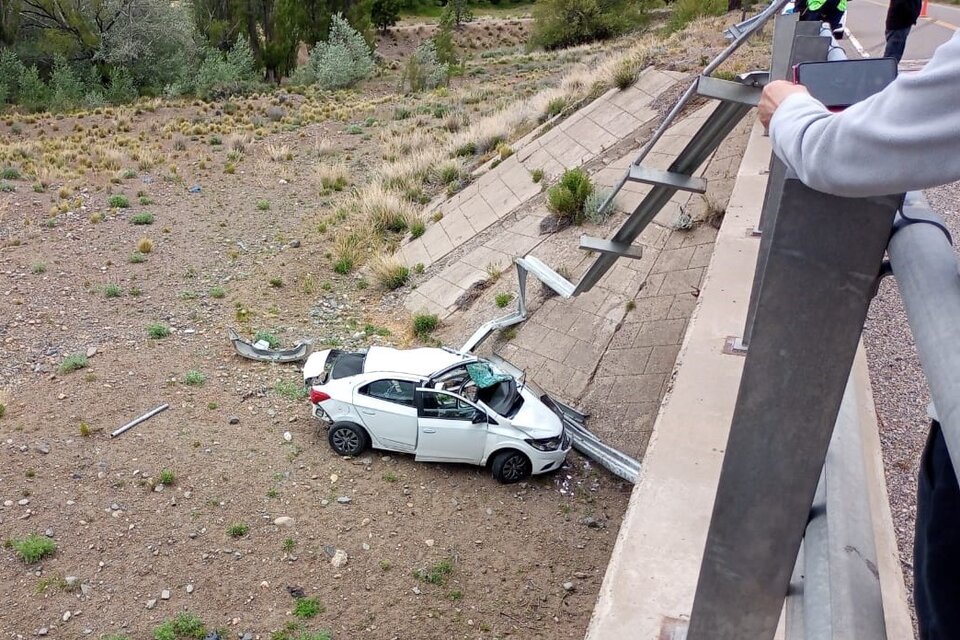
[816, 5]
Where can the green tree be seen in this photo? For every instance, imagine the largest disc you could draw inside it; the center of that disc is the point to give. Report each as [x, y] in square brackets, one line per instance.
[385, 13]
[446, 52]
[461, 11]
[66, 88]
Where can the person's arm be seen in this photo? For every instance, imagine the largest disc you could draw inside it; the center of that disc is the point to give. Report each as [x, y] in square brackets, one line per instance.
[906, 137]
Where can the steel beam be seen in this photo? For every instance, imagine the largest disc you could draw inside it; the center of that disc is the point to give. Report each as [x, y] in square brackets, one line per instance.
[804, 48]
[825, 254]
[718, 89]
[717, 126]
[925, 267]
[601, 245]
[679, 181]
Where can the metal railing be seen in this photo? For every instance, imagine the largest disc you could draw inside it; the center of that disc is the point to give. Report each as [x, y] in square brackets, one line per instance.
[792, 527]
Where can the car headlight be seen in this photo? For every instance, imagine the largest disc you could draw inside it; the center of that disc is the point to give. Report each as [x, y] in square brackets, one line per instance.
[545, 444]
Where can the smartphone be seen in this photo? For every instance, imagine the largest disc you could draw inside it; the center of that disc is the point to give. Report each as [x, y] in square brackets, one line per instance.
[841, 83]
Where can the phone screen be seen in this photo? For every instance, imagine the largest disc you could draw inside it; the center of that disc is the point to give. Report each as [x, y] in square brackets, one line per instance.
[841, 83]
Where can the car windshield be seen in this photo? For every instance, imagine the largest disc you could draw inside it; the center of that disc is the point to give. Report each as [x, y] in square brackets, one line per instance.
[347, 364]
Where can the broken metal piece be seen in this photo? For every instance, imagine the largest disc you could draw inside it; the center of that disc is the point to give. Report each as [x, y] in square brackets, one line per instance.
[136, 421]
[255, 352]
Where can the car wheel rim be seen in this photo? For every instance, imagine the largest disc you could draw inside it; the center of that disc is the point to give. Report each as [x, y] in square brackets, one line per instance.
[513, 468]
[345, 440]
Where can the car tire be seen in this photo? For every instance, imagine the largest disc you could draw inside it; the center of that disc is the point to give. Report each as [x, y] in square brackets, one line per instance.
[347, 439]
[511, 466]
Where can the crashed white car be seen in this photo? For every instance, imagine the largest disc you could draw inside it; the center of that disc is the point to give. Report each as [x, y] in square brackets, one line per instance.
[437, 404]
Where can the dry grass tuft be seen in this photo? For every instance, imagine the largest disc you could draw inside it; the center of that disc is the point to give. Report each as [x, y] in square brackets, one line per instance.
[389, 272]
[384, 210]
[332, 176]
[278, 152]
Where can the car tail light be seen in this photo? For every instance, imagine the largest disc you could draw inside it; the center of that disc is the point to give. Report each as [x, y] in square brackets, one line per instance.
[316, 397]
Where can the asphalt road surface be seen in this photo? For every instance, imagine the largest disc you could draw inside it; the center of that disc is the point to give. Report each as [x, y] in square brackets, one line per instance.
[865, 24]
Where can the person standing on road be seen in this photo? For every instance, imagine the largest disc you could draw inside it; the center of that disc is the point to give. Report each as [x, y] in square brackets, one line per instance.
[905, 138]
[831, 11]
[901, 16]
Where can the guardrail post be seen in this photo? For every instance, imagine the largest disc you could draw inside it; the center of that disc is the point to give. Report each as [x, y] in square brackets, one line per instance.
[805, 46]
[823, 262]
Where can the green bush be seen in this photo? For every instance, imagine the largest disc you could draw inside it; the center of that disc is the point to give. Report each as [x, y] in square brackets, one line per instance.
[11, 69]
[685, 11]
[308, 608]
[238, 530]
[66, 87]
[270, 338]
[74, 363]
[342, 61]
[423, 70]
[384, 13]
[119, 201]
[425, 323]
[142, 218]
[121, 87]
[566, 199]
[157, 331]
[33, 548]
[185, 626]
[565, 23]
[224, 74]
[32, 91]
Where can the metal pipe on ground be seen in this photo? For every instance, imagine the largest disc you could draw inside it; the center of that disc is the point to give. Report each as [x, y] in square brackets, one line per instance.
[925, 268]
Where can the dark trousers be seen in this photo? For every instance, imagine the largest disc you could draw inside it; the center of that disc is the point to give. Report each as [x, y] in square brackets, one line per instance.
[896, 43]
[936, 546]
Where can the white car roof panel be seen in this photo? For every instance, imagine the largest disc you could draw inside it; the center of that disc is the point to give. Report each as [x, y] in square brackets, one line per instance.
[419, 362]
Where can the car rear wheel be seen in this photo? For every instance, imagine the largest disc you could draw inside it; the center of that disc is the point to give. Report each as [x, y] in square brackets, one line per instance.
[511, 466]
[347, 439]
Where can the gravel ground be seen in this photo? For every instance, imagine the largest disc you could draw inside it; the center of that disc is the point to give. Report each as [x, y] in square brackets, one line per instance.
[900, 390]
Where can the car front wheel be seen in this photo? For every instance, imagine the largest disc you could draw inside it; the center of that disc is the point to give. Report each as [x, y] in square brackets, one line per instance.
[511, 466]
[347, 439]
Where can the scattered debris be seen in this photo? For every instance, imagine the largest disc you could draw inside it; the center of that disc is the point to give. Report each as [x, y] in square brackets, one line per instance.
[254, 352]
[135, 422]
[194, 189]
[296, 592]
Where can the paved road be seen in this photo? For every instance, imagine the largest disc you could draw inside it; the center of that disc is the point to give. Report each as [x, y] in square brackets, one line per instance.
[865, 21]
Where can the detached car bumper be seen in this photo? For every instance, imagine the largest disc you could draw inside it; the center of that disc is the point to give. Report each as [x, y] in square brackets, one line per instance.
[321, 415]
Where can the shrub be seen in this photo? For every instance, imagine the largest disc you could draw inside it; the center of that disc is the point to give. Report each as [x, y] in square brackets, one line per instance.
[263, 205]
[119, 201]
[566, 198]
[437, 573]
[591, 206]
[625, 73]
[238, 530]
[685, 11]
[33, 548]
[503, 299]
[384, 13]
[167, 477]
[564, 23]
[222, 75]
[112, 291]
[137, 258]
[308, 608]
[389, 272]
[10, 173]
[340, 62]
[157, 331]
[145, 245]
[417, 229]
[142, 218]
[425, 323]
[185, 626]
[271, 339]
[217, 292]
[66, 87]
[194, 378]
[348, 250]
[423, 70]
[121, 87]
[74, 363]
[536, 175]
[32, 92]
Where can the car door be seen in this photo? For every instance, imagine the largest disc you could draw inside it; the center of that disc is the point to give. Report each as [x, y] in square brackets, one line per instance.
[388, 410]
[451, 429]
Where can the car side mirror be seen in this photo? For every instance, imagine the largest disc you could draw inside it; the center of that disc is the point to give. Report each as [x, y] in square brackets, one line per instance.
[479, 418]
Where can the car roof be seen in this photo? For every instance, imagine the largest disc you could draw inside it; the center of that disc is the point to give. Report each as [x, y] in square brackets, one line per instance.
[419, 362]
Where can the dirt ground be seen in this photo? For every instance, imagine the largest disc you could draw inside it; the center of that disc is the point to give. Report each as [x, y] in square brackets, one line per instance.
[247, 251]
[242, 235]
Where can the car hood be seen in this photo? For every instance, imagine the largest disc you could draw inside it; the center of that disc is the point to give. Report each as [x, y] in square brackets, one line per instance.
[536, 419]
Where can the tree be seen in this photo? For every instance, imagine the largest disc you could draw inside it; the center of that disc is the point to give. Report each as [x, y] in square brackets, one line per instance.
[446, 52]
[385, 13]
[461, 11]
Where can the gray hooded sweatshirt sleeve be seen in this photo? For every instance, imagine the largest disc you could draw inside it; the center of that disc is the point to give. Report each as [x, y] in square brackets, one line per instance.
[905, 138]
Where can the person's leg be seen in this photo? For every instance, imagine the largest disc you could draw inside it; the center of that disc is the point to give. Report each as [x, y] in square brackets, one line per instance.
[896, 43]
[936, 550]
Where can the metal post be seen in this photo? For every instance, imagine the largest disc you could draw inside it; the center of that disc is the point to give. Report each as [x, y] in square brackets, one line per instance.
[825, 254]
[925, 267]
[804, 48]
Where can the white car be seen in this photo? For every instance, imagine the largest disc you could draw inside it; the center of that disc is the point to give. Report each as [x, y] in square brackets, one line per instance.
[440, 405]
